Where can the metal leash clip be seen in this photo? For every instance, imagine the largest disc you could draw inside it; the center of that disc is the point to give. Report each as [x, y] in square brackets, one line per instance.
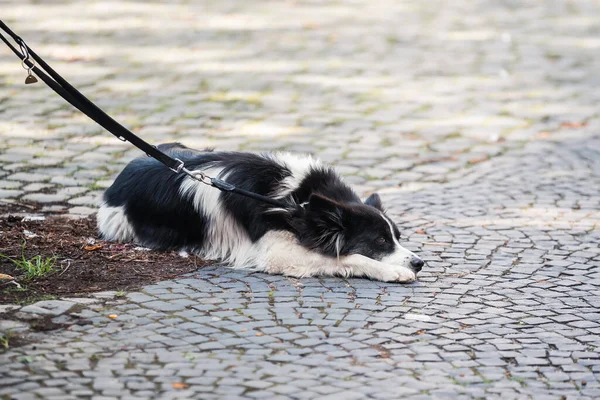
[200, 177]
[30, 77]
[197, 175]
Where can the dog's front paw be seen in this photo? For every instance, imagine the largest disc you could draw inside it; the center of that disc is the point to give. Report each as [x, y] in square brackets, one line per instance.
[363, 266]
[398, 274]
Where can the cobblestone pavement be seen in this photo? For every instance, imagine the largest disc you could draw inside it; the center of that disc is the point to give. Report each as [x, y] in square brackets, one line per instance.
[476, 120]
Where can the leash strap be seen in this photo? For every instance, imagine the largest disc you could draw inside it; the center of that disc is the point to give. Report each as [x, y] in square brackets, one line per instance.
[64, 89]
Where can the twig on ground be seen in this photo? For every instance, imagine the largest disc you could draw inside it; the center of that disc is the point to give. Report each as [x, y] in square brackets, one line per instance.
[65, 270]
[18, 204]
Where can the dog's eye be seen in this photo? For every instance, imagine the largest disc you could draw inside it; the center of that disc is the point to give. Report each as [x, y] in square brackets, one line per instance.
[381, 239]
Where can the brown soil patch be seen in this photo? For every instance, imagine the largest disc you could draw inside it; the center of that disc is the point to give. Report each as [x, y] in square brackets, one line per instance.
[84, 263]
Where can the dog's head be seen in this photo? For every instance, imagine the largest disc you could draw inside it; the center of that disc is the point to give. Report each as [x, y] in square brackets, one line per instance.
[340, 229]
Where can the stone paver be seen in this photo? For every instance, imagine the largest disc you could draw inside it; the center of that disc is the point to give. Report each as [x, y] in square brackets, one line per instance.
[48, 307]
[476, 121]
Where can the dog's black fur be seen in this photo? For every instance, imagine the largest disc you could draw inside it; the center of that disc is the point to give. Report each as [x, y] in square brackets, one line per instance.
[164, 210]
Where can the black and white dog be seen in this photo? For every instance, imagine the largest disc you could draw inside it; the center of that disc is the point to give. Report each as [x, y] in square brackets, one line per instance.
[327, 229]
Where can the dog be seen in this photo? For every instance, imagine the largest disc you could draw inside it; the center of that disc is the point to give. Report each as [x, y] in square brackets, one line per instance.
[326, 230]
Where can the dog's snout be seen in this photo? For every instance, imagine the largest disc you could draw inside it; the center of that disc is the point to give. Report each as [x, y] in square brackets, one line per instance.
[416, 263]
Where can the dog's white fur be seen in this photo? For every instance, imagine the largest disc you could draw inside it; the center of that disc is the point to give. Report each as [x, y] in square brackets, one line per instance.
[277, 251]
[283, 252]
[113, 222]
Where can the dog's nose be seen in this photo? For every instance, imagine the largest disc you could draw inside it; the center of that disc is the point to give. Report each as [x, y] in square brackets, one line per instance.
[416, 263]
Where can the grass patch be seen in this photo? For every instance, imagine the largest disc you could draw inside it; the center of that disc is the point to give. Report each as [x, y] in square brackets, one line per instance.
[386, 142]
[453, 135]
[95, 186]
[4, 340]
[392, 40]
[94, 360]
[34, 267]
[424, 107]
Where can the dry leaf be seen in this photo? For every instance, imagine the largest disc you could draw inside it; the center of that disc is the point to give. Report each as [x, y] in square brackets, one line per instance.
[573, 124]
[113, 316]
[259, 333]
[420, 231]
[71, 59]
[4, 277]
[542, 135]
[93, 247]
[179, 385]
[310, 25]
[477, 160]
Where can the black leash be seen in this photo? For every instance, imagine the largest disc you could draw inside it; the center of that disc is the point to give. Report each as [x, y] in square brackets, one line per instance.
[76, 99]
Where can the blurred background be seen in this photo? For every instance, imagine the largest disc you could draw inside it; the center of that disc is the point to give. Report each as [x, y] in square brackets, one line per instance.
[477, 121]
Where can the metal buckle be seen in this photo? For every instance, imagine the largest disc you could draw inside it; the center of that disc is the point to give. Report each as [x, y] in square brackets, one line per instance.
[30, 78]
[179, 166]
[201, 177]
[198, 176]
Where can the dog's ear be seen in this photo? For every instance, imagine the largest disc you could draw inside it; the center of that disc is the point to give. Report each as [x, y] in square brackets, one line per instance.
[320, 224]
[325, 211]
[374, 201]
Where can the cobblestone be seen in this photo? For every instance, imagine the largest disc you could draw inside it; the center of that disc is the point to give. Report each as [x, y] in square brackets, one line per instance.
[476, 121]
[48, 307]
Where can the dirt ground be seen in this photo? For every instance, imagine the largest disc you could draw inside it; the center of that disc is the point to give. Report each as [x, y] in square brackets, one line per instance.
[83, 263]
